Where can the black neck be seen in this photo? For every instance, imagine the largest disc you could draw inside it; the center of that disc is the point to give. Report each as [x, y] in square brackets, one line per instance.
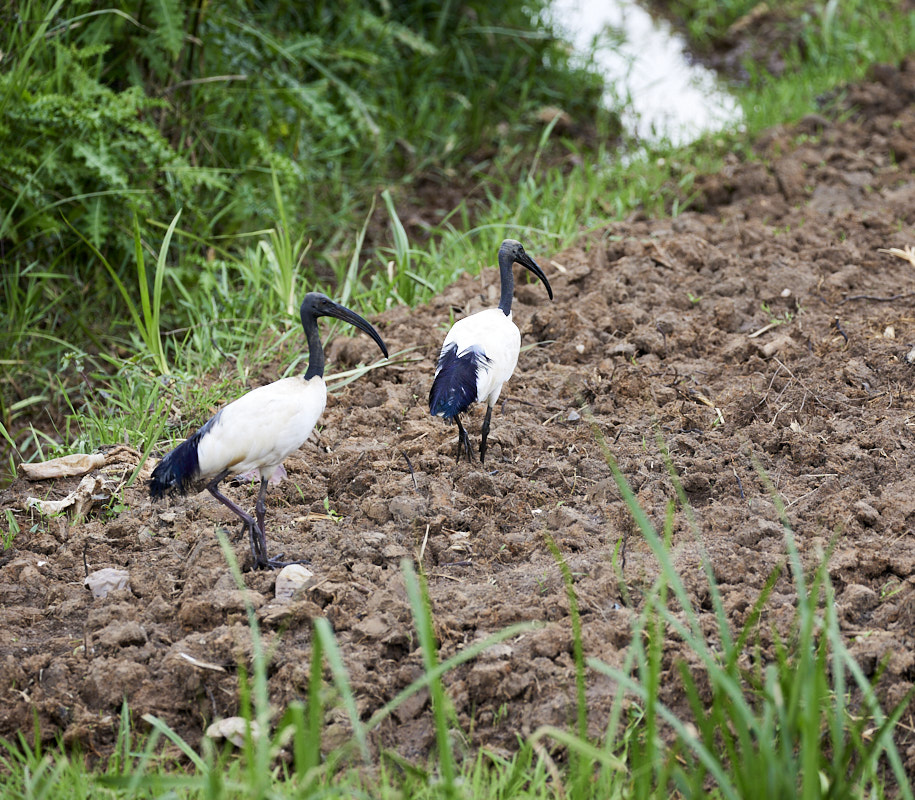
[507, 278]
[315, 348]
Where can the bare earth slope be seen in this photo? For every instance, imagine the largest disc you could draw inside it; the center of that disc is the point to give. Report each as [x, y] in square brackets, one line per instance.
[652, 328]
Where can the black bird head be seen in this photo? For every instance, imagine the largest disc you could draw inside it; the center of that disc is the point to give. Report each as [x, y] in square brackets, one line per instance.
[317, 305]
[511, 252]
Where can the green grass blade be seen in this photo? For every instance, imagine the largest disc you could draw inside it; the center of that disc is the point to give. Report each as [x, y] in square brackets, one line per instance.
[115, 278]
[325, 633]
[352, 273]
[422, 616]
[154, 332]
[462, 657]
[163, 728]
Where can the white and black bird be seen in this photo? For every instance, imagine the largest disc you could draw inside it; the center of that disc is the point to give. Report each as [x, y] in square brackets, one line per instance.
[258, 430]
[480, 353]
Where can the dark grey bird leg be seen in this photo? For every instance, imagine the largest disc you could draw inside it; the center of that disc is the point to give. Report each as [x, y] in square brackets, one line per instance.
[463, 441]
[485, 432]
[260, 511]
[261, 508]
[255, 527]
[246, 518]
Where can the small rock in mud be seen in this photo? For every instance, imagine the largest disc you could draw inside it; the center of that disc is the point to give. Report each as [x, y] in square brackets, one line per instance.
[478, 484]
[291, 579]
[856, 601]
[777, 346]
[406, 508]
[233, 729]
[393, 551]
[866, 514]
[103, 581]
[122, 634]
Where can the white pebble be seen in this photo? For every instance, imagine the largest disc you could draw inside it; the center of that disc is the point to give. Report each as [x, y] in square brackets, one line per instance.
[106, 580]
[233, 729]
[292, 577]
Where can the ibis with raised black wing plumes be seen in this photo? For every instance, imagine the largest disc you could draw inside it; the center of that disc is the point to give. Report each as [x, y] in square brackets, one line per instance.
[258, 430]
[480, 353]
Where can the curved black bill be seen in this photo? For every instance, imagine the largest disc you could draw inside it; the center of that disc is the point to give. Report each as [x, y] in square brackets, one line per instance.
[526, 261]
[342, 312]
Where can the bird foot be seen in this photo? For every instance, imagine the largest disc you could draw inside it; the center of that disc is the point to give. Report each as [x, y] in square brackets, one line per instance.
[277, 563]
[464, 447]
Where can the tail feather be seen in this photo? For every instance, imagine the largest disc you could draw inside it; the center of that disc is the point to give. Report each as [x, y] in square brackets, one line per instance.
[455, 386]
[180, 469]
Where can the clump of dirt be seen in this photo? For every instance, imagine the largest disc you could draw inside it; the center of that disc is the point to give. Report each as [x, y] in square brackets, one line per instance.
[766, 328]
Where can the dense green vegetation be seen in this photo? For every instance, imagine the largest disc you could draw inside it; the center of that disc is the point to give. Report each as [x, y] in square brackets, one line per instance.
[270, 127]
[292, 139]
[174, 175]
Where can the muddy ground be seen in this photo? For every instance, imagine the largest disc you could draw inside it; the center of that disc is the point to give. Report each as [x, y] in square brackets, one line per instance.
[764, 327]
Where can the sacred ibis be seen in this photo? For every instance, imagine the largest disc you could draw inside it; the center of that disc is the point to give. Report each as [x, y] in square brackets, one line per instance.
[258, 430]
[480, 353]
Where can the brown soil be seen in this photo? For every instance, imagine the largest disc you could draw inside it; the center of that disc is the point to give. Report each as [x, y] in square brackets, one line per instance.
[656, 325]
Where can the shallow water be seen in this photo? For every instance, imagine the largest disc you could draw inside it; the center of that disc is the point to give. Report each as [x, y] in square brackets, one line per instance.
[647, 71]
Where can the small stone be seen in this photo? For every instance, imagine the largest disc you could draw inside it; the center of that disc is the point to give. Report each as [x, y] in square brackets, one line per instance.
[573, 416]
[866, 514]
[122, 634]
[479, 484]
[374, 627]
[406, 508]
[292, 578]
[497, 652]
[856, 601]
[103, 581]
[233, 729]
[395, 551]
[779, 344]
[624, 349]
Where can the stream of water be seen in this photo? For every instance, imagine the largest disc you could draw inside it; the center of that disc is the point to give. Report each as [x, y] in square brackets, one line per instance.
[646, 70]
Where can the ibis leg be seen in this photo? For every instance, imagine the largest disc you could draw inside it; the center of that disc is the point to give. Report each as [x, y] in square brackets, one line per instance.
[260, 510]
[485, 432]
[255, 527]
[247, 519]
[463, 441]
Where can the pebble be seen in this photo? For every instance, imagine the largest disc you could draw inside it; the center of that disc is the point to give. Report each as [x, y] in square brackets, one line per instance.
[233, 729]
[103, 581]
[291, 579]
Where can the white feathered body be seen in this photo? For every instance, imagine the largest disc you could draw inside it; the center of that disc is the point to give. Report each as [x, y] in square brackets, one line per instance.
[261, 428]
[490, 333]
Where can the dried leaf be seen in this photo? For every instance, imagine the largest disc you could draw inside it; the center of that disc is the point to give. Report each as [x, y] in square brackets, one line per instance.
[90, 489]
[63, 467]
[906, 254]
